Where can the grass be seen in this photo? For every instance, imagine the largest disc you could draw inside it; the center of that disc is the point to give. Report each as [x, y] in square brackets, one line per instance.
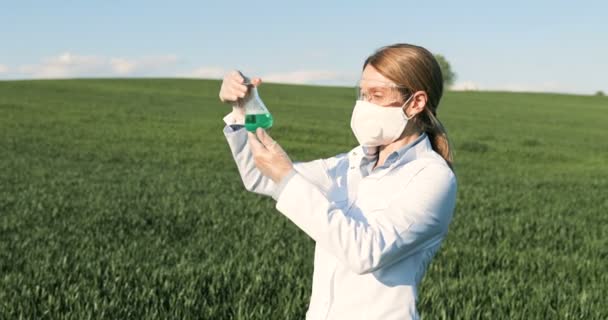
[119, 199]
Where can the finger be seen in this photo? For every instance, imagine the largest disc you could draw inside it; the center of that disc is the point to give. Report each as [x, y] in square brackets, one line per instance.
[239, 87]
[238, 92]
[266, 140]
[238, 76]
[255, 145]
[245, 80]
[256, 81]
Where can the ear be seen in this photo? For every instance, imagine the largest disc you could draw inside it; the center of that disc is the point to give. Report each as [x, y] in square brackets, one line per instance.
[417, 104]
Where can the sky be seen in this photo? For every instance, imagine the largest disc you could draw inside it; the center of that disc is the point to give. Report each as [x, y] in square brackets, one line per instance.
[544, 46]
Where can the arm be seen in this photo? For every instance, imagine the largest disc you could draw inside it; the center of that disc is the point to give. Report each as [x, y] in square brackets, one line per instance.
[317, 172]
[417, 218]
[236, 136]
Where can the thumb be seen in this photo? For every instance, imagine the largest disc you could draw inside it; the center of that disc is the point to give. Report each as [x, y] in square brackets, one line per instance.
[256, 81]
[266, 140]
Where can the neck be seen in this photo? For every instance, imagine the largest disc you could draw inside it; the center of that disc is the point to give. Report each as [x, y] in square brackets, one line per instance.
[386, 150]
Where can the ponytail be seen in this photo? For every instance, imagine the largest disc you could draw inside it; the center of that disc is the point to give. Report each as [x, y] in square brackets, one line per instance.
[437, 134]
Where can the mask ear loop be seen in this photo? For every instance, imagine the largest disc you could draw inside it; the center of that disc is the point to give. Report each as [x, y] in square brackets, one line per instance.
[403, 105]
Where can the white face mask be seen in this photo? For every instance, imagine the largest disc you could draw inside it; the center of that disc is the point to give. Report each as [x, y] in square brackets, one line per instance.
[375, 125]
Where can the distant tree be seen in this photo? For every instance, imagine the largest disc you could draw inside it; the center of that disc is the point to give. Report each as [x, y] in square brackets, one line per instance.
[448, 75]
[600, 93]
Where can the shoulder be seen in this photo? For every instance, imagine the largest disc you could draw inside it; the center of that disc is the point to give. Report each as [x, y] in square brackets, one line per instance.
[427, 169]
[428, 186]
[326, 167]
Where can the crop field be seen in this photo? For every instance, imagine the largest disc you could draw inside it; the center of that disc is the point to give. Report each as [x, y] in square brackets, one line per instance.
[119, 200]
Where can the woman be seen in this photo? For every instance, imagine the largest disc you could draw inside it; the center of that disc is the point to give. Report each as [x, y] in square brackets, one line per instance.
[378, 213]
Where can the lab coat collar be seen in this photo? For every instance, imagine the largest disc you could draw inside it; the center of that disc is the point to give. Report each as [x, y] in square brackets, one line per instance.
[405, 154]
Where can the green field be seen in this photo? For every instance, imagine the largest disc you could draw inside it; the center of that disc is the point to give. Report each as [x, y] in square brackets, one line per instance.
[119, 199]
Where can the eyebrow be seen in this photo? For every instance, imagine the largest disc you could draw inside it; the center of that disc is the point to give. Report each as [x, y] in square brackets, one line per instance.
[389, 83]
[375, 88]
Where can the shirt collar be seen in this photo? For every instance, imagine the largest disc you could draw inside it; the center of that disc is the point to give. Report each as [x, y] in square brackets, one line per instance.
[400, 153]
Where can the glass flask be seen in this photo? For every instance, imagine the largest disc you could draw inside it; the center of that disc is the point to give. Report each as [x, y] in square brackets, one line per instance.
[256, 113]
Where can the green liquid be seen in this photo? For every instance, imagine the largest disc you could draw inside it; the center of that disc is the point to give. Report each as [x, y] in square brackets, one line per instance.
[254, 121]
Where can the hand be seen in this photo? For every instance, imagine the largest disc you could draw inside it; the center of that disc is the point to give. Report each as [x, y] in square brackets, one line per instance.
[234, 88]
[268, 156]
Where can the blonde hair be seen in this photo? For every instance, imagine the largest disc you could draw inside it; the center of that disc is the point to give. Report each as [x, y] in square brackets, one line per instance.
[416, 69]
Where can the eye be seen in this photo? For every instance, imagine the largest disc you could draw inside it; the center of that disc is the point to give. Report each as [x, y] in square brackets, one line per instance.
[377, 93]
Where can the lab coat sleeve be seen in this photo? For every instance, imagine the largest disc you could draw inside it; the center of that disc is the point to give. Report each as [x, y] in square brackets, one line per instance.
[416, 218]
[317, 172]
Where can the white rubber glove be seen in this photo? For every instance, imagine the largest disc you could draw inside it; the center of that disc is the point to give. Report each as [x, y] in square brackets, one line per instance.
[269, 157]
[233, 89]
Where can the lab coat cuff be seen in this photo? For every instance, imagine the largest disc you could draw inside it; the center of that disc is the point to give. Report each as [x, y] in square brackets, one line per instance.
[281, 185]
[233, 128]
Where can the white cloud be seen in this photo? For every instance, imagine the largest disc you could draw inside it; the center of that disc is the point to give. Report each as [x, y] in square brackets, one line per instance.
[63, 66]
[68, 65]
[122, 66]
[294, 77]
[205, 72]
[309, 77]
[464, 86]
[548, 86]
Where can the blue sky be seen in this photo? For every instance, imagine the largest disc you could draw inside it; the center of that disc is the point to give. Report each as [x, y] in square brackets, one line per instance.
[555, 46]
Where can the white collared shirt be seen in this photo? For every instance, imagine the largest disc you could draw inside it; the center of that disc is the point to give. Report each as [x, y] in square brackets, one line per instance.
[375, 231]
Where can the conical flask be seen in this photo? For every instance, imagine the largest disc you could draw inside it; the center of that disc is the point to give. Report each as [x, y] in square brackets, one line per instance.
[256, 113]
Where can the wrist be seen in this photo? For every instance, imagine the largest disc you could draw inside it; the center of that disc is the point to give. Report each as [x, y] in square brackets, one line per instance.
[282, 182]
[238, 114]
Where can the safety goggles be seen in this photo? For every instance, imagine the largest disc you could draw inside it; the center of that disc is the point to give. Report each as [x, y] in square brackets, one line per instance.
[381, 93]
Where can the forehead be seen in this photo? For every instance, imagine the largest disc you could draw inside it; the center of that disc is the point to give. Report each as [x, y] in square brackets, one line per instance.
[371, 77]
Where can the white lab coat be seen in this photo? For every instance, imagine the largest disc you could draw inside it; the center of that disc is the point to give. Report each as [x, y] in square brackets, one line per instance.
[375, 235]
